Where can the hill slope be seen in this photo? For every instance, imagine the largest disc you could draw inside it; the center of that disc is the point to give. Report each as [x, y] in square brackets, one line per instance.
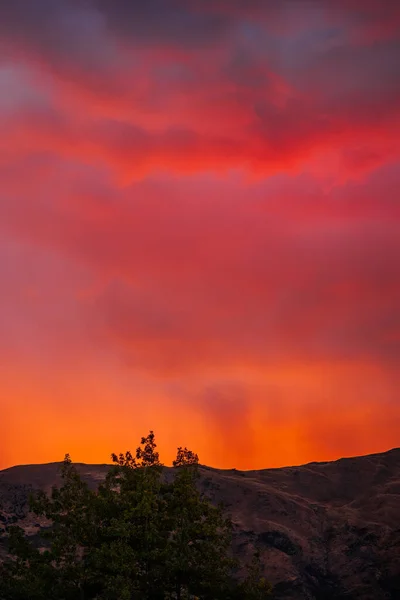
[327, 530]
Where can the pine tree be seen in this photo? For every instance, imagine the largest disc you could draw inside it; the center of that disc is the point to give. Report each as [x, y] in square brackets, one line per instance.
[57, 571]
[132, 498]
[140, 536]
[198, 547]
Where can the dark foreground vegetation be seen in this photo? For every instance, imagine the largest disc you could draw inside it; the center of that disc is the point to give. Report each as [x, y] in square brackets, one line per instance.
[138, 536]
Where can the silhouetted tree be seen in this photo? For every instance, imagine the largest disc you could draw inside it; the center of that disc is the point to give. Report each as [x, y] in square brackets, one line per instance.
[198, 559]
[140, 536]
[59, 569]
[185, 457]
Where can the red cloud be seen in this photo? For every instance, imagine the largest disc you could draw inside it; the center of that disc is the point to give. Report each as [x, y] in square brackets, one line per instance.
[244, 101]
[200, 207]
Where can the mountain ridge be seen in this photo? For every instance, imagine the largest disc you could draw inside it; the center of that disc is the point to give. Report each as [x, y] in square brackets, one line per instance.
[327, 530]
[317, 462]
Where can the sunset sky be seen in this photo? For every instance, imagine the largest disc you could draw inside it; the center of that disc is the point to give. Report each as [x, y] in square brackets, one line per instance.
[199, 229]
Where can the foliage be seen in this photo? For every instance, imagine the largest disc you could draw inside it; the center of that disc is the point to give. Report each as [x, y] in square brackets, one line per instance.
[255, 586]
[140, 536]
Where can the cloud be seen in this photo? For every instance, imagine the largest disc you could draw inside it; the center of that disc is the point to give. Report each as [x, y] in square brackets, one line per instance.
[199, 206]
[227, 410]
[191, 279]
[241, 99]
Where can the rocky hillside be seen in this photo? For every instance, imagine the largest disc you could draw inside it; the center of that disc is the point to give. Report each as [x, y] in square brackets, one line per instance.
[327, 530]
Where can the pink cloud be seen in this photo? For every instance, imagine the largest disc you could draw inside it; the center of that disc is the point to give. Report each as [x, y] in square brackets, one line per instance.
[199, 206]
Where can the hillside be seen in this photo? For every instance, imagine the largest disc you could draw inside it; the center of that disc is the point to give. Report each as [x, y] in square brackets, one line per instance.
[327, 530]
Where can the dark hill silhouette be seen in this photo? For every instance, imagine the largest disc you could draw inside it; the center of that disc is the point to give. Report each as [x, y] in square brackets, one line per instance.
[327, 530]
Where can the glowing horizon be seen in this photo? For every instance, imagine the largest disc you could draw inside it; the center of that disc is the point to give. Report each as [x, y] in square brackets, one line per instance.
[199, 229]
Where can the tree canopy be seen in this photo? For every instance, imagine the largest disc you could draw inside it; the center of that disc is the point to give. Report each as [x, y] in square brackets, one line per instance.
[140, 536]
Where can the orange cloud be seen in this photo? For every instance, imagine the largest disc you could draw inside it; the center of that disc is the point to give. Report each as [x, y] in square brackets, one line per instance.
[200, 223]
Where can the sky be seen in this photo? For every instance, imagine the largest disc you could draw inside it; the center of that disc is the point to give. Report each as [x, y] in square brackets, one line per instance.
[199, 229]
